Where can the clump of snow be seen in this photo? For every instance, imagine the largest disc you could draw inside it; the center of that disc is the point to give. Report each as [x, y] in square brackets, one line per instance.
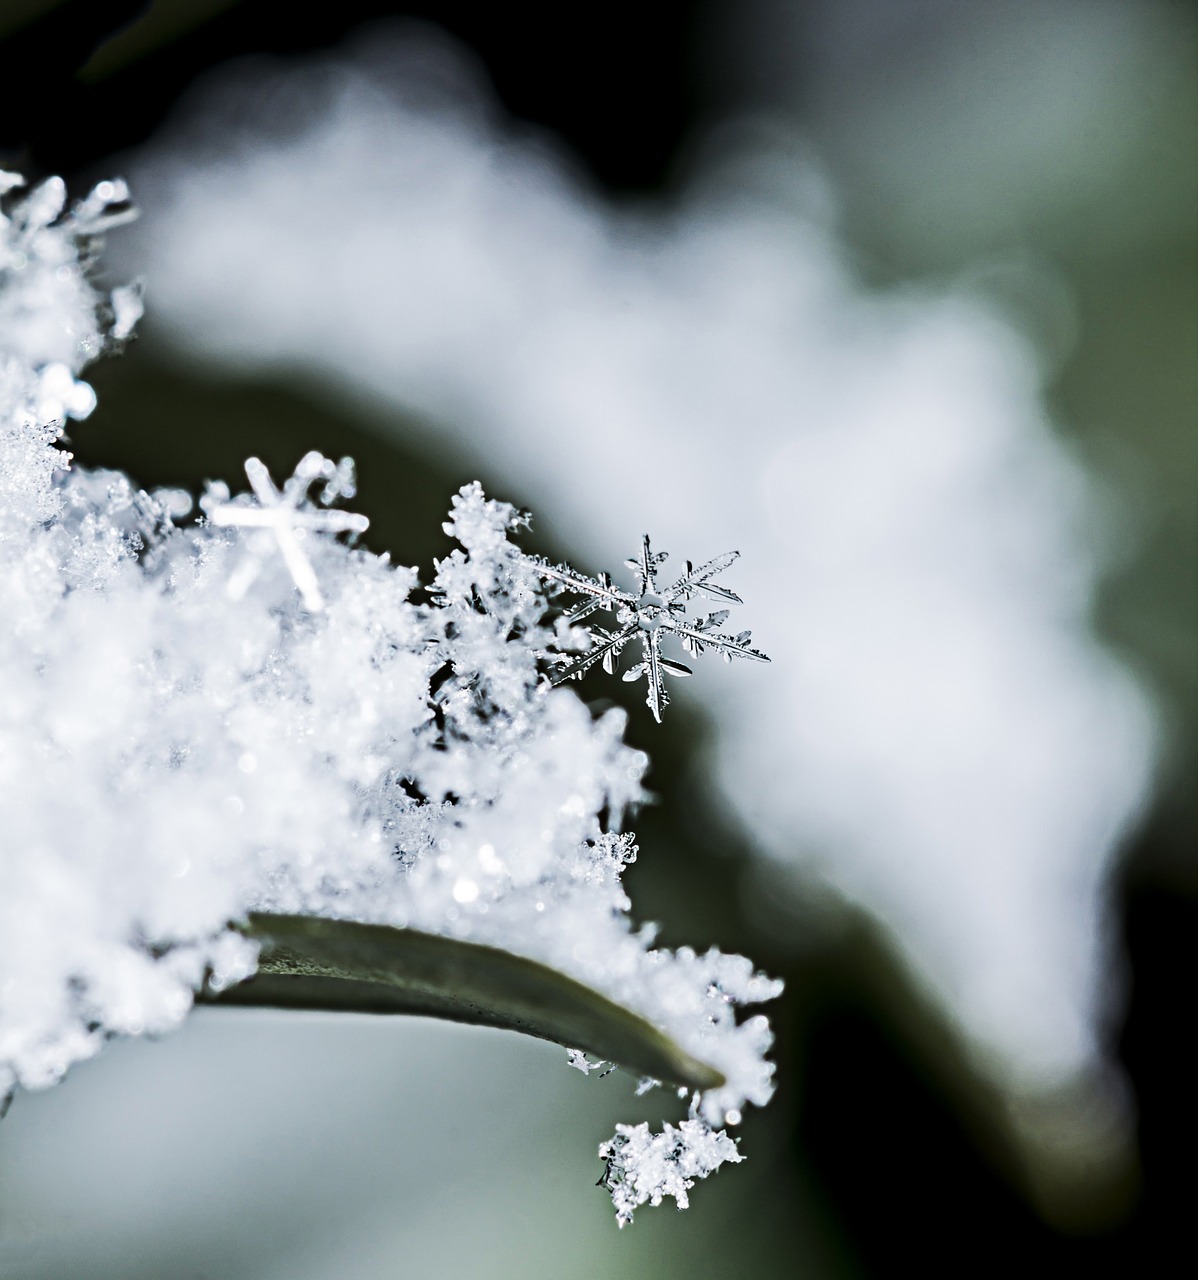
[645, 1167]
[202, 719]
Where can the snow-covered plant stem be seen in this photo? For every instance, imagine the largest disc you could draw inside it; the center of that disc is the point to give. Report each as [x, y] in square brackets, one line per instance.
[241, 759]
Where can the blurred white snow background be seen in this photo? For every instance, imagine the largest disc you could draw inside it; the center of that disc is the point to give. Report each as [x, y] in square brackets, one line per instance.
[940, 737]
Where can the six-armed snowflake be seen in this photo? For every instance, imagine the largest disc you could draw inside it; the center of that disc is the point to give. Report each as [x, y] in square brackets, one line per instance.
[647, 615]
[287, 515]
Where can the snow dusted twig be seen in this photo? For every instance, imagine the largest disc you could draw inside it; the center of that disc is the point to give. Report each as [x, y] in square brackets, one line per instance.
[649, 614]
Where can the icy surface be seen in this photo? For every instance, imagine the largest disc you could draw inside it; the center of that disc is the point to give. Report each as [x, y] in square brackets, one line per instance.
[208, 716]
[959, 756]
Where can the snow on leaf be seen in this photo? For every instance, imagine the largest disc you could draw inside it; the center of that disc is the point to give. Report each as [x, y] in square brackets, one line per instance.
[646, 616]
[381, 805]
[307, 962]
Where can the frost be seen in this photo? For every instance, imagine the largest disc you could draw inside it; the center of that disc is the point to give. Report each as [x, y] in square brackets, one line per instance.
[647, 615]
[644, 1167]
[240, 712]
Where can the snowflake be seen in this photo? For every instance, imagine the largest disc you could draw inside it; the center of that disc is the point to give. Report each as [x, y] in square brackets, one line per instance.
[283, 513]
[649, 614]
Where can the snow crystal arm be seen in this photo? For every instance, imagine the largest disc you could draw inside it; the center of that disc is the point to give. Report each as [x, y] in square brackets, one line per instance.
[585, 609]
[602, 592]
[726, 645]
[646, 566]
[695, 581]
[656, 698]
[310, 962]
[336, 521]
[602, 652]
[267, 518]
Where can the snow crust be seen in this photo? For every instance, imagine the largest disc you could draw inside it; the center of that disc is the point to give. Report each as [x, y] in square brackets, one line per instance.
[208, 716]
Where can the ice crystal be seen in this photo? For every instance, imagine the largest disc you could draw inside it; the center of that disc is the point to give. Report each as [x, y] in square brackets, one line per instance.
[287, 517]
[646, 615]
[187, 736]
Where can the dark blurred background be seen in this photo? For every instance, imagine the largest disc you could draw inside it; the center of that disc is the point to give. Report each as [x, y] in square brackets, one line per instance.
[884, 1151]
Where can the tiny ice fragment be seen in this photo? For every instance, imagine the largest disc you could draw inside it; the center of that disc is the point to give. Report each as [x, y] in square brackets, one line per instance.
[580, 1062]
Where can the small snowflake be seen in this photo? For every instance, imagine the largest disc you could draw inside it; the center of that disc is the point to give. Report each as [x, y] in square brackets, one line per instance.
[283, 514]
[649, 614]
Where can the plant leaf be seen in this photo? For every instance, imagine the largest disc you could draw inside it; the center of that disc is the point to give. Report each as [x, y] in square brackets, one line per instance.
[309, 962]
